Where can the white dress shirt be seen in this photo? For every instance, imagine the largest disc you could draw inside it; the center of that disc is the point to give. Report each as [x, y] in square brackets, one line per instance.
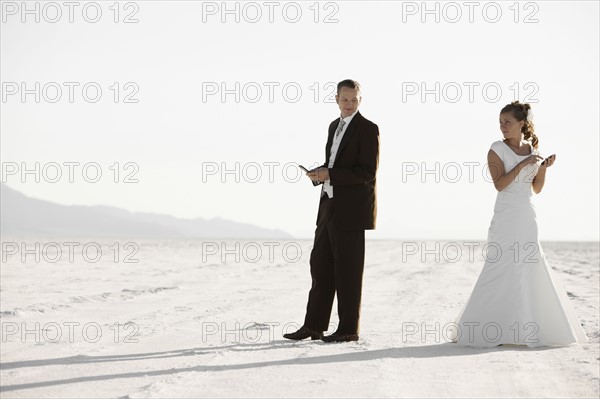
[327, 187]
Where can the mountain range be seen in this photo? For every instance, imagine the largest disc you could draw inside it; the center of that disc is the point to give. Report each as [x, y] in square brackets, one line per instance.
[21, 215]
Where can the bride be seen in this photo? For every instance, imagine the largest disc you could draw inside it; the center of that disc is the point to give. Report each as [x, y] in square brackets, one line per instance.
[516, 299]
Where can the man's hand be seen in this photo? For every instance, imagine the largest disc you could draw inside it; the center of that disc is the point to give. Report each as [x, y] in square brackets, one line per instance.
[319, 174]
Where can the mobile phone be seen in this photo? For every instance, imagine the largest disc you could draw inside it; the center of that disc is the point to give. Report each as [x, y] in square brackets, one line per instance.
[544, 161]
[315, 183]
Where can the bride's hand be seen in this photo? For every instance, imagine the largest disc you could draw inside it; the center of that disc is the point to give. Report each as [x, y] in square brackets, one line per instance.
[549, 161]
[531, 159]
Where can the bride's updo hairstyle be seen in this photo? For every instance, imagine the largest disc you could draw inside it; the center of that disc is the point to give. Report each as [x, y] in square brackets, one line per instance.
[521, 112]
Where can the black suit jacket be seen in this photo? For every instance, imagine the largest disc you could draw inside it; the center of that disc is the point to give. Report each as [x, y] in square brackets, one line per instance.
[353, 173]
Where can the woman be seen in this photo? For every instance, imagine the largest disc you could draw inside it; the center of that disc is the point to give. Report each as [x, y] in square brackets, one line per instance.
[516, 300]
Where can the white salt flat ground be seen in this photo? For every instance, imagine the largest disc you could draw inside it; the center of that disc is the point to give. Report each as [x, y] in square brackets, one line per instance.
[177, 325]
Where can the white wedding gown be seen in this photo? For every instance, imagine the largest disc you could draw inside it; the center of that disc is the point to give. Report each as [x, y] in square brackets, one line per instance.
[516, 299]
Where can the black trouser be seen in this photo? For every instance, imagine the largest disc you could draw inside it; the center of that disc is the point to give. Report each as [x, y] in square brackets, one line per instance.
[336, 265]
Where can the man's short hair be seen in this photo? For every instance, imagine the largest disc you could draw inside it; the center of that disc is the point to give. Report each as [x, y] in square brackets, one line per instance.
[352, 84]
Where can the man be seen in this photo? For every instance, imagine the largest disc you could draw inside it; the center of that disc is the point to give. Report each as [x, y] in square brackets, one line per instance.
[347, 208]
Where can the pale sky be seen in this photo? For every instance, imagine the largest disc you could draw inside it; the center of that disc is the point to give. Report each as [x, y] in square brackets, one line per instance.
[179, 53]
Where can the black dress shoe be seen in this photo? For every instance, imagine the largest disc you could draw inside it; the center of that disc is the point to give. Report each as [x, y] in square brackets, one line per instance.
[304, 333]
[340, 337]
